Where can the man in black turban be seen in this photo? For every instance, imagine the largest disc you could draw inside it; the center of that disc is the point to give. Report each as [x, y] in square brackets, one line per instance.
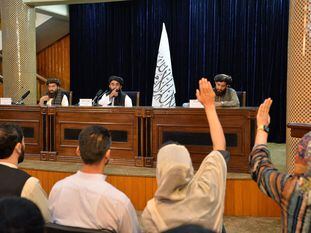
[225, 96]
[114, 96]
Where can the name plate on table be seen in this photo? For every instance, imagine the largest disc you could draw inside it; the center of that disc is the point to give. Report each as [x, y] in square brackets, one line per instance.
[195, 104]
[85, 102]
[6, 101]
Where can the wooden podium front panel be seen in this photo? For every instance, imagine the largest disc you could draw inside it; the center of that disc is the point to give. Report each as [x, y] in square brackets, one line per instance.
[121, 122]
[189, 127]
[298, 130]
[29, 118]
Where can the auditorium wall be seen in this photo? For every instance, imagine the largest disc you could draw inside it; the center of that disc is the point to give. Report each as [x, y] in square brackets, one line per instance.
[52, 61]
[55, 61]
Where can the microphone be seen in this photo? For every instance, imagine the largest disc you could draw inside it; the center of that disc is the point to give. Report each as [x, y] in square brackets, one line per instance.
[98, 94]
[20, 101]
[107, 92]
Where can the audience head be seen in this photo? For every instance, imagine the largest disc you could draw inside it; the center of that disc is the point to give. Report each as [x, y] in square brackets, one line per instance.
[174, 170]
[303, 156]
[11, 141]
[53, 85]
[94, 144]
[191, 228]
[222, 81]
[20, 215]
[115, 82]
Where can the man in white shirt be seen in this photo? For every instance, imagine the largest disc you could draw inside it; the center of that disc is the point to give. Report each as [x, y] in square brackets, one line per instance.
[85, 199]
[55, 95]
[114, 96]
[15, 182]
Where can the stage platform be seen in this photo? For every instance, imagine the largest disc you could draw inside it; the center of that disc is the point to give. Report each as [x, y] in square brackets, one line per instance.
[243, 197]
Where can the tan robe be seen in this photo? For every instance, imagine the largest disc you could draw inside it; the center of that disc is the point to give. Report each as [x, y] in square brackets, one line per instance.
[184, 198]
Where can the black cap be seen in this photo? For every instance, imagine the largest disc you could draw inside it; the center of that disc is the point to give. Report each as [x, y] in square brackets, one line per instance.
[53, 80]
[223, 78]
[116, 78]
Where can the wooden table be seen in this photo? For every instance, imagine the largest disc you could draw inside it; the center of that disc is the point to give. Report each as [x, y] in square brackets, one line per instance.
[52, 132]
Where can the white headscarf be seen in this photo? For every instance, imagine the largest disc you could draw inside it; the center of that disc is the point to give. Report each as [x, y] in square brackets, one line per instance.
[182, 197]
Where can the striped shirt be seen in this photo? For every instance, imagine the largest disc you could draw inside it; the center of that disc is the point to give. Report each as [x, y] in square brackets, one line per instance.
[291, 192]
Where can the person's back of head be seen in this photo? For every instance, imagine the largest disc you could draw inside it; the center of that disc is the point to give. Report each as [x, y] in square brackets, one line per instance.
[174, 170]
[189, 228]
[94, 142]
[10, 135]
[20, 215]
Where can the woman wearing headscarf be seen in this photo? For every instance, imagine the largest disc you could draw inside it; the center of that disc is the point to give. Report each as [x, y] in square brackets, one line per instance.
[183, 197]
[291, 192]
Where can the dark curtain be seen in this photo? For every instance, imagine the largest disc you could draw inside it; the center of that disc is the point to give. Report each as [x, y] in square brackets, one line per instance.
[243, 38]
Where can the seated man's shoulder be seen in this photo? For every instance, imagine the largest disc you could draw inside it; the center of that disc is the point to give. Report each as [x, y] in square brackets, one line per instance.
[114, 194]
[231, 90]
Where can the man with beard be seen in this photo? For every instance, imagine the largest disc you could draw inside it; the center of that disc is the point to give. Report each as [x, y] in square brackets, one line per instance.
[15, 182]
[114, 96]
[225, 96]
[55, 94]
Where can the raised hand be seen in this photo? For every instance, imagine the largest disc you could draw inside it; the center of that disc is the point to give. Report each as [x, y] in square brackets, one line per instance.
[263, 117]
[205, 94]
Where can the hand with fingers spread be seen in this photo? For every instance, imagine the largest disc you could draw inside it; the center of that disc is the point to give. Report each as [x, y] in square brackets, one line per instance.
[205, 94]
[263, 120]
[263, 117]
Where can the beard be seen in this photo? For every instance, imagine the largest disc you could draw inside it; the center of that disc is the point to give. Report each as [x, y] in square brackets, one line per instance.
[220, 93]
[52, 94]
[22, 155]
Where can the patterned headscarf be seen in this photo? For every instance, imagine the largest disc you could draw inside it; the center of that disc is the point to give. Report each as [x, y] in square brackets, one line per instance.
[303, 156]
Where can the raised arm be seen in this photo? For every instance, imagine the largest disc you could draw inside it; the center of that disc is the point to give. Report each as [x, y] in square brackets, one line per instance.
[206, 96]
[263, 119]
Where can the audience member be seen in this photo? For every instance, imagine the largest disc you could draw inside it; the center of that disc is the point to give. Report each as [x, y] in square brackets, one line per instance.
[225, 96]
[85, 199]
[15, 182]
[20, 215]
[185, 198]
[114, 96]
[291, 192]
[55, 95]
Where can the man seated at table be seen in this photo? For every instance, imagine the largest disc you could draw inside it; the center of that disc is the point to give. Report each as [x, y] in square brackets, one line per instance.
[114, 96]
[55, 94]
[225, 96]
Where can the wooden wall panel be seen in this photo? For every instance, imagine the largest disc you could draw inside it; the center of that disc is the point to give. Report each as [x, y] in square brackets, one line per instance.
[55, 61]
[243, 197]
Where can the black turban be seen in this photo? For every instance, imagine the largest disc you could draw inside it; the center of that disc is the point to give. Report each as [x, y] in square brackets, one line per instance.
[116, 78]
[223, 78]
[53, 80]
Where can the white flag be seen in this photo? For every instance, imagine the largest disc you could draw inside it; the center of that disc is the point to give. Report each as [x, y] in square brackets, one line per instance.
[164, 87]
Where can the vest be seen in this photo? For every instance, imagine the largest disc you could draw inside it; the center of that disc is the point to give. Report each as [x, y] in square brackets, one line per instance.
[12, 181]
[120, 99]
[59, 97]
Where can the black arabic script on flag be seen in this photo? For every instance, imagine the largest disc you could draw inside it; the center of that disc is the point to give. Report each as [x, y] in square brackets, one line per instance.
[164, 88]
